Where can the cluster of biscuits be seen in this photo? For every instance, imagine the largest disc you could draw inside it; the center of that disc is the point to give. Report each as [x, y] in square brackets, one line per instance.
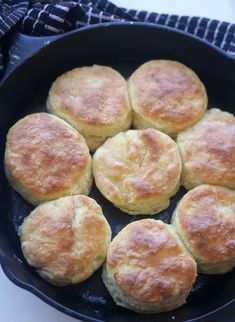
[150, 266]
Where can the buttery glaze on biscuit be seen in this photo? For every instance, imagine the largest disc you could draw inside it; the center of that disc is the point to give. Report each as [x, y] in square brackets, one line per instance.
[208, 151]
[148, 268]
[138, 170]
[205, 221]
[66, 239]
[46, 158]
[92, 99]
[166, 95]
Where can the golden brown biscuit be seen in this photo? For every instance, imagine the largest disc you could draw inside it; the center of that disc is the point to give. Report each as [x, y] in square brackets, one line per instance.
[46, 158]
[138, 170]
[66, 239]
[167, 96]
[205, 221]
[94, 100]
[208, 151]
[148, 269]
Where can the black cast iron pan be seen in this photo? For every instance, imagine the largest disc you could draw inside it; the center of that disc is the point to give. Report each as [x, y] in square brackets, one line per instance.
[123, 46]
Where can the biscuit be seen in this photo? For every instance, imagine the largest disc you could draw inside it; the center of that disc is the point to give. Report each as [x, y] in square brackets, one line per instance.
[148, 269]
[167, 96]
[205, 221]
[94, 100]
[208, 151]
[66, 239]
[138, 170]
[46, 158]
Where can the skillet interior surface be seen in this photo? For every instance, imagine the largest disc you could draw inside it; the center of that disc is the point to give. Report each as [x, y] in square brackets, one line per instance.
[124, 47]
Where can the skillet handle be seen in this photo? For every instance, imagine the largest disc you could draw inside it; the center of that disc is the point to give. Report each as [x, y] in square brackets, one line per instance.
[23, 46]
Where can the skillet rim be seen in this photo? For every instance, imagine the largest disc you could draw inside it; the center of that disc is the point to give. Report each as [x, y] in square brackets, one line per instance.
[55, 38]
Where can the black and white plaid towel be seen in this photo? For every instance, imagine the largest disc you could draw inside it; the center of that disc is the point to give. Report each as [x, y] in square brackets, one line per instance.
[50, 17]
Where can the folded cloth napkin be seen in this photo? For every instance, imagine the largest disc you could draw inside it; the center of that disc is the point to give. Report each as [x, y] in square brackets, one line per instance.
[48, 17]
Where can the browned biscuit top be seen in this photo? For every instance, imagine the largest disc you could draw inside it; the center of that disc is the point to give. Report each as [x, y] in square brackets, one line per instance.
[67, 237]
[137, 165]
[208, 149]
[45, 154]
[206, 216]
[168, 91]
[148, 261]
[96, 95]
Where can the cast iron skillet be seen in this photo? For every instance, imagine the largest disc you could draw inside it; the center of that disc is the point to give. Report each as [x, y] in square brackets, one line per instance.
[123, 46]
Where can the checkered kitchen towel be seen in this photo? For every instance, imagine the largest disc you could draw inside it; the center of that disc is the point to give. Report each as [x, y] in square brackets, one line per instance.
[49, 17]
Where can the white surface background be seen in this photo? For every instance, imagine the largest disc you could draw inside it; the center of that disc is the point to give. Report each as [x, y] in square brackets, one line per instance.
[18, 305]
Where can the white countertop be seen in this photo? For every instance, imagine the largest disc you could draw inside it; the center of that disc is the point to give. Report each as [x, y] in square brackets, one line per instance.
[18, 305]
